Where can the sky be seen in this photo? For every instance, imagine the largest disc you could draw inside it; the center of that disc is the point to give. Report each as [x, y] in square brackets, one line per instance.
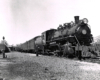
[22, 20]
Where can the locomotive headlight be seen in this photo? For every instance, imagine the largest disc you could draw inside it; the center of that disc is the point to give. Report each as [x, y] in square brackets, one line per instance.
[84, 32]
[85, 20]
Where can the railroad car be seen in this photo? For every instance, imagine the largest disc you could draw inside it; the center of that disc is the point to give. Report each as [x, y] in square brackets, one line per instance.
[32, 45]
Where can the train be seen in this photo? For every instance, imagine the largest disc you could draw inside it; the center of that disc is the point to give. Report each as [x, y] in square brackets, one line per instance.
[69, 39]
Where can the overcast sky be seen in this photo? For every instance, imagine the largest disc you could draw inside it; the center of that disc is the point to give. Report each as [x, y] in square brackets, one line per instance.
[21, 20]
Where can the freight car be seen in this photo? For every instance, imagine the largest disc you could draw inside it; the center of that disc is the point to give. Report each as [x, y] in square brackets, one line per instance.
[69, 39]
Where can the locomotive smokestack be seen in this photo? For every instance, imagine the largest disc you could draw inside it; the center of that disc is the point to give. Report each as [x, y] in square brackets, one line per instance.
[76, 19]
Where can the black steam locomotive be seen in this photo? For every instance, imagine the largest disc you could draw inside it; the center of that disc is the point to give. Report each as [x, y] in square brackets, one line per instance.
[69, 39]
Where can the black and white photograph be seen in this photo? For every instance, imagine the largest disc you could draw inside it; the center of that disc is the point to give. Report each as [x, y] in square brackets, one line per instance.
[49, 40]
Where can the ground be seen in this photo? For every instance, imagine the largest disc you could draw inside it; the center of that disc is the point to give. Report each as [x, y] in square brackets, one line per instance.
[25, 66]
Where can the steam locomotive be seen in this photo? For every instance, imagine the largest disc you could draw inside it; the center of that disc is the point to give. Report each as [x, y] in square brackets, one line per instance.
[69, 39]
